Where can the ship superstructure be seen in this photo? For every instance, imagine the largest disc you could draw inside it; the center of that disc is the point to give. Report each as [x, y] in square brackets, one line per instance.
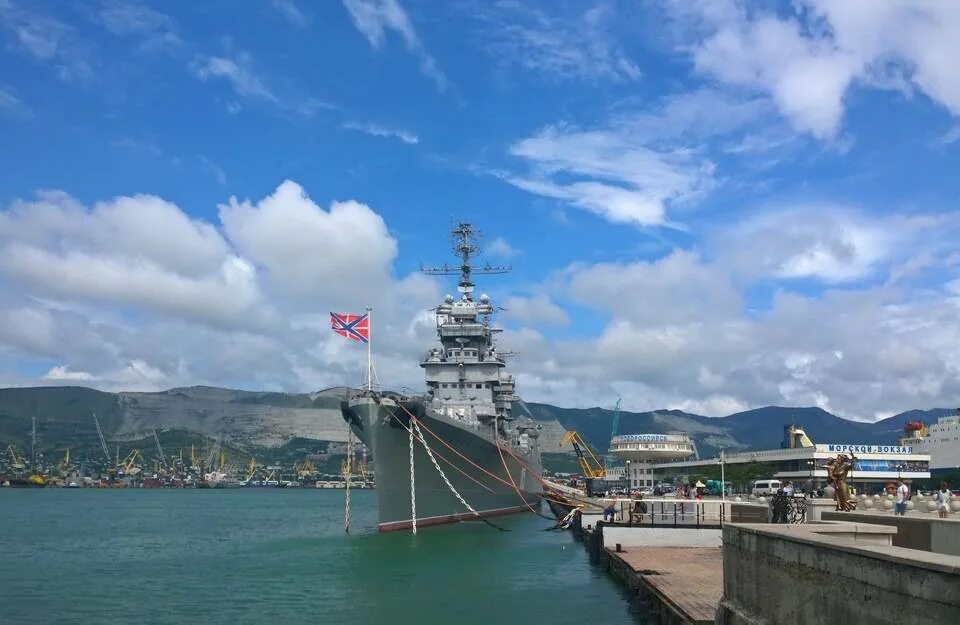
[941, 440]
[470, 456]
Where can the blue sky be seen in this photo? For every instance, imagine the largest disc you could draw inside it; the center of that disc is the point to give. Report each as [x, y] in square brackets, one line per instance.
[707, 205]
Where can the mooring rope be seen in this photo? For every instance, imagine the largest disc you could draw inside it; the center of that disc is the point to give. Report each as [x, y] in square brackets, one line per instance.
[439, 455]
[446, 480]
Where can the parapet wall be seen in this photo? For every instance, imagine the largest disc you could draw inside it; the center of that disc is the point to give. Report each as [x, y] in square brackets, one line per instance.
[833, 573]
[913, 532]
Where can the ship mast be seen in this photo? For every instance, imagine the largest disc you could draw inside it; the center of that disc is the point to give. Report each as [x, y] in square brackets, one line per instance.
[465, 240]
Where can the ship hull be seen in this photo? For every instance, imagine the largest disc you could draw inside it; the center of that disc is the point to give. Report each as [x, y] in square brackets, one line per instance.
[381, 425]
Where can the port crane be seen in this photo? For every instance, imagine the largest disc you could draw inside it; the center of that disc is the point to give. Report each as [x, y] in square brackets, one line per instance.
[64, 465]
[163, 456]
[103, 441]
[252, 467]
[589, 463]
[16, 461]
[129, 464]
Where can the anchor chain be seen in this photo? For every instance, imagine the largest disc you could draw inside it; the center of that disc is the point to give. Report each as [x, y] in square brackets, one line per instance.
[346, 512]
[413, 490]
[423, 441]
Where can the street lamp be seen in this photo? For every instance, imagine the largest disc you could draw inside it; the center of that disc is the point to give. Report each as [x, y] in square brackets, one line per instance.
[810, 465]
[900, 468]
[629, 478]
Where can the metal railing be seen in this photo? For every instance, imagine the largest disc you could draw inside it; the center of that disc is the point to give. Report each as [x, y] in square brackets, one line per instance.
[670, 513]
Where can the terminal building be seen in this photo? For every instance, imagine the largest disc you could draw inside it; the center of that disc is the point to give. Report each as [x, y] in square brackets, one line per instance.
[802, 462]
[640, 453]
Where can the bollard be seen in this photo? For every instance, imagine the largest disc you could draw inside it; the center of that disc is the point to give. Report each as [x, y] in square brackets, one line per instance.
[618, 548]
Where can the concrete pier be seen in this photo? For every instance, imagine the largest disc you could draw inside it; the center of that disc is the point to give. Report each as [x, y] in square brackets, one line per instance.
[674, 585]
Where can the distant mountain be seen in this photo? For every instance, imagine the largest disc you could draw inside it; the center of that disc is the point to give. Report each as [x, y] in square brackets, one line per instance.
[250, 420]
[761, 428]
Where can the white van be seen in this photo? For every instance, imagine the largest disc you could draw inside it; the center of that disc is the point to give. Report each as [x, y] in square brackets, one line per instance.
[766, 487]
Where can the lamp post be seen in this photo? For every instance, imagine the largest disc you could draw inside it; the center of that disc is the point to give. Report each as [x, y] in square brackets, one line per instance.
[629, 478]
[723, 483]
[900, 468]
[810, 465]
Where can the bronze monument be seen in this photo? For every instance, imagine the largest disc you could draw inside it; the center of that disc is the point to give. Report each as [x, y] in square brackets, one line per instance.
[837, 470]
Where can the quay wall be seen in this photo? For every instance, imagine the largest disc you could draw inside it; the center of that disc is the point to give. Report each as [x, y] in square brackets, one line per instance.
[833, 573]
[927, 533]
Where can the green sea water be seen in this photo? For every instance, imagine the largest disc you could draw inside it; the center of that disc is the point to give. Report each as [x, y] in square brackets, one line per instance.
[266, 556]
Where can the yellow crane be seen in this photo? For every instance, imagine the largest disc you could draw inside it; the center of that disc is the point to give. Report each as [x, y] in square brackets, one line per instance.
[589, 463]
[305, 469]
[129, 464]
[64, 465]
[251, 468]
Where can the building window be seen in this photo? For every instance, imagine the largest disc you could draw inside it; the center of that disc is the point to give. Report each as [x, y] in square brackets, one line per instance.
[479, 385]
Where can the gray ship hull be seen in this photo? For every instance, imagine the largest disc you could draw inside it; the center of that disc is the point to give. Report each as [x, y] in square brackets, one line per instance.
[381, 427]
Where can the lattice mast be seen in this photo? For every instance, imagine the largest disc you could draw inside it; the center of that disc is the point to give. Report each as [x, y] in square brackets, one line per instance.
[465, 239]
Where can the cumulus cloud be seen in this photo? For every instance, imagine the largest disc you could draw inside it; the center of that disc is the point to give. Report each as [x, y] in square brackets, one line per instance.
[283, 233]
[535, 310]
[685, 331]
[808, 60]
[131, 293]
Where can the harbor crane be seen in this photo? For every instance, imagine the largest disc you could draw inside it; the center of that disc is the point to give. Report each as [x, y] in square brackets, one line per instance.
[16, 461]
[129, 464]
[103, 441]
[589, 463]
[163, 457]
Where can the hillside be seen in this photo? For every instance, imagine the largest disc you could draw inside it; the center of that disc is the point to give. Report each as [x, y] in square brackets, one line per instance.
[248, 420]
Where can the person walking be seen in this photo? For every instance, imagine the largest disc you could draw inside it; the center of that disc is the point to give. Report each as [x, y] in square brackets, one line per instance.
[903, 494]
[943, 500]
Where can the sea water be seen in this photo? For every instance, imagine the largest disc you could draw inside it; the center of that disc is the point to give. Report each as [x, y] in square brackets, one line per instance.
[280, 557]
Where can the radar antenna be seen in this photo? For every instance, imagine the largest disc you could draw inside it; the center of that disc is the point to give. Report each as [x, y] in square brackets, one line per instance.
[465, 240]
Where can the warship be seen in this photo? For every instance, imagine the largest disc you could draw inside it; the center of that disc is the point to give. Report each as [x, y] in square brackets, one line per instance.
[455, 451]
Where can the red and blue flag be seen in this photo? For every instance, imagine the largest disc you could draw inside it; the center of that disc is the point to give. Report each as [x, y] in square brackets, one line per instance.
[354, 327]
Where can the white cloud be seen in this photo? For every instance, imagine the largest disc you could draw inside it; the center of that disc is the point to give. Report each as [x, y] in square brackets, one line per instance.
[376, 130]
[283, 232]
[373, 18]
[214, 170]
[808, 61]
[500, 248]
[535, 310]
[291, 12]
[134, 294]
[47, 40]
[155, 30]
[238, 72]
[63, 373]
[643, 161]
[580, 46]
[10, 103]
[610, 173]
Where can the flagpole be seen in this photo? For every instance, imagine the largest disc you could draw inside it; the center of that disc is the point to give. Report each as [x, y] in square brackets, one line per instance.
[369, 354]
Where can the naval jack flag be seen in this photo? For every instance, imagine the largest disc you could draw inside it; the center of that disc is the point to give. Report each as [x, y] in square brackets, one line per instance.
[356, 328]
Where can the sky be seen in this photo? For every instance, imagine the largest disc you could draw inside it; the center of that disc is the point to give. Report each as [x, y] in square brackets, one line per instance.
[710, 206]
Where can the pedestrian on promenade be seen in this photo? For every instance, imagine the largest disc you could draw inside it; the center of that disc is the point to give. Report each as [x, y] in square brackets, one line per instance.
[943, 500]
[903, 494]
[610, 510]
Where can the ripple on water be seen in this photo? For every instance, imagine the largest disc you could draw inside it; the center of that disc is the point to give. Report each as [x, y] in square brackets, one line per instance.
[265, 557]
